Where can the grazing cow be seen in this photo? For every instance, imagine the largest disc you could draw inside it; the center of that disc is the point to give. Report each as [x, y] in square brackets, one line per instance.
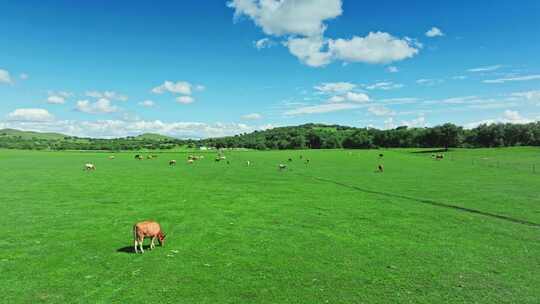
[172, 162]
[145, 229]
[190, 161]
[439, 156]
[282, 167]
[139, 157]
[89, 167]
[248, 163]
[218, 159]
[380, 168]
[111, 157]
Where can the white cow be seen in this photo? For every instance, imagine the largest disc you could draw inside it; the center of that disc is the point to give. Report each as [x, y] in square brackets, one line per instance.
[89, 167]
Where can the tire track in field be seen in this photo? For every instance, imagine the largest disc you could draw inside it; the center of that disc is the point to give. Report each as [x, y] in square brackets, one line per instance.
[427, 201]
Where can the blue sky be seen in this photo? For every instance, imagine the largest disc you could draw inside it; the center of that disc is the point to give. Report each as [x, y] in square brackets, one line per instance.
[212, 68]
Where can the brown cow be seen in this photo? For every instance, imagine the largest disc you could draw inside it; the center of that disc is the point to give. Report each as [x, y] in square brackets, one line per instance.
[149, 229]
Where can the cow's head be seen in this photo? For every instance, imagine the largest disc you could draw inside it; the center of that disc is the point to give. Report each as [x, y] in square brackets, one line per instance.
[161, 238]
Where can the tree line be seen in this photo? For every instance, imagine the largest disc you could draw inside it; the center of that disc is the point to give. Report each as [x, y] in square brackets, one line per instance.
[309, 136]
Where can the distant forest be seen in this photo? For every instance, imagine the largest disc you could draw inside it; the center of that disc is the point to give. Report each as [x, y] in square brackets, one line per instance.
[308, 136]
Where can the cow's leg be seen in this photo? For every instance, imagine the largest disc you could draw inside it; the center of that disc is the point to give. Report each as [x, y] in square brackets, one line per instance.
[152, 246]
[141, 245]
[135, 246]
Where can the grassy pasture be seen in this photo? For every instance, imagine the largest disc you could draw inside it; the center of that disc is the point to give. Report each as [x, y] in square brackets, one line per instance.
[335, 231]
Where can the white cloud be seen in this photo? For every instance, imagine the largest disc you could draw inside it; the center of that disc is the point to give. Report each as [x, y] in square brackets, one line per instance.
[102, 105]
[335, 87]
[357, 97]
[308, 50]
[532, 96]
[110, 95]
[5, 77]
[415, 123]
[288, 17]
[180, 87]
[485, 68]
[58, 97]
[384, 85]
[460, 77]
[511, 79]
[24, 76]
[30, 115]
[434, 32]
[336, 98]
[263, 43]
[378, 110]
[392, 69]
[508, 116]
[252, 116]
[54, 99]
[322, 108]
[302, 23]
[147, 103]
[376, 47]
[185, 99]
[122, 128]
[429, 82]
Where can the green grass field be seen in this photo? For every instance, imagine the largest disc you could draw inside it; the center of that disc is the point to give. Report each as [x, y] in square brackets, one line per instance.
[460, 230]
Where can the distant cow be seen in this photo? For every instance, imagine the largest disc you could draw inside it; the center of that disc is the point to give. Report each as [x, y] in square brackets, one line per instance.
[111, 157]
[307, 161]
[146, 229]
[190, 161]
[139, 157]
[439, 156]
[89, 167]
[282, 167]
[380, 168]
[290, 159]
[218, 159]
[248, 163]
[172, 162]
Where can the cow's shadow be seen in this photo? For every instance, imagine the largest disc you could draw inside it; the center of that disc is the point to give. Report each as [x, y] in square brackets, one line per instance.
[130, 249]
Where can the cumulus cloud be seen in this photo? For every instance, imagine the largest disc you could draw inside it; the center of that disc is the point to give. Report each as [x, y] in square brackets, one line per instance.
[376, 47]
[263, 43]
[5, 77]
[460, 77]
[185, 99]
[434, 32]
[508, 116]
[147, 103]
[30, 115]
[418, 122]
[308, 50]
[101, 106]
[289, 17]
[485, 68]
[252, 116]
[180, 87]
[110, 95]
[302, 22]
[512, 79]
[58, 97]
[335, 87]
